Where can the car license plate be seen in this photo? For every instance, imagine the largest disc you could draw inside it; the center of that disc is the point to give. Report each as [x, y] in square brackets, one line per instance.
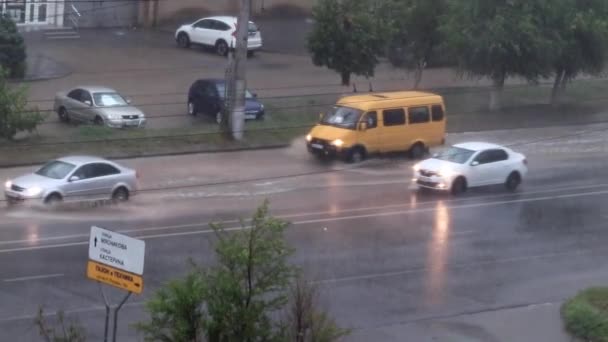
[317, 146]
[424, 179]
[132, 123]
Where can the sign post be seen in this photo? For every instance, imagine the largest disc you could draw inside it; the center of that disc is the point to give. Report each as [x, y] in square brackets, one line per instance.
[116, 260]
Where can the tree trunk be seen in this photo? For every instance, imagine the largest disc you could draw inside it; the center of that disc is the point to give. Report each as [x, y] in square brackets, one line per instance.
[345, 78]
[418, 73]
[556, 92]
[496, 94]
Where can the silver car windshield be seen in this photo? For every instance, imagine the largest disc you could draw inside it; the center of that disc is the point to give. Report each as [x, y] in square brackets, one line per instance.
[108, 100]
[56, 169]
[455, 155]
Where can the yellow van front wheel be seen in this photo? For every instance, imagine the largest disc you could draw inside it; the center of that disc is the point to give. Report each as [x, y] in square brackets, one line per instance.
[356, 155]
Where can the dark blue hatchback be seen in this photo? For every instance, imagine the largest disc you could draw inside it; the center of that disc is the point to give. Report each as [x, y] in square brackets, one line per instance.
[207, 96]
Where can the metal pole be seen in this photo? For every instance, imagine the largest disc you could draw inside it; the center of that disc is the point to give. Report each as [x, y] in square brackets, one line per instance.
[105, 301]
[240, 68]
[115, 328]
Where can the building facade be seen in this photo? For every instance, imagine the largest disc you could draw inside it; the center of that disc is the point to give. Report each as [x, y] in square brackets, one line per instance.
[161, 12]
[34, 12]
[126, 13]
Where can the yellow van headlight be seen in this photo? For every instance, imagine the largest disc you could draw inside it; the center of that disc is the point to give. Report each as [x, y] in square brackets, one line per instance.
[309, 138]
[337, 142]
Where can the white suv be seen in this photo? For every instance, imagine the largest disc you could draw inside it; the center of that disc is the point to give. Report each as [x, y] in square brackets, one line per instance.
[217, 32]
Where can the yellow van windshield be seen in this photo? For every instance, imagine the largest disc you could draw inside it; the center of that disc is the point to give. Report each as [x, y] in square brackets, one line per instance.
[343, 117]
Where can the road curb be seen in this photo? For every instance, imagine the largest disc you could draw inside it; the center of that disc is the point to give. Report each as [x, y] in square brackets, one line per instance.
[167, 154]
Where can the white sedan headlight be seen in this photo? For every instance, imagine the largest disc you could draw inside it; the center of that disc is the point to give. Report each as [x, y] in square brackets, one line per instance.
[416, 168]
[337, 142]
[33, 191]
[8, 184]
[446, 173]
[114, 116]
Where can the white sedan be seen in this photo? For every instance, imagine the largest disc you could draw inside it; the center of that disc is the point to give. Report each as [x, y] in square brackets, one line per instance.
[219, 33]
[471, 164]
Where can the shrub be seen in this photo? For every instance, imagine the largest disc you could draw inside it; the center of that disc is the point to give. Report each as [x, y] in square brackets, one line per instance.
[12, 48]
[586, 315]
[14, 114]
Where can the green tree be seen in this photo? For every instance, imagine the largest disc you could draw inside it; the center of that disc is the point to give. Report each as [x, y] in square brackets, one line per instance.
[346, 37]
[498, 39]
[176, 311]
[414, 35]
[250, 280]
[15, 117]
[579, 30]
[12, 48]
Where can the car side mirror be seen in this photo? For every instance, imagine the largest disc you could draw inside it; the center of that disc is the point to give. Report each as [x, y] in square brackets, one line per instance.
[129, 101]
[435, 155]
[74, 179]
[321, 116]
[255, 95]
[88, 103]
[474, 163]
[363, 126]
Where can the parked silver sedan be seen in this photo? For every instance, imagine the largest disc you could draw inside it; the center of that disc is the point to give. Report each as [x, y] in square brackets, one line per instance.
[74, 178]
[98, 105]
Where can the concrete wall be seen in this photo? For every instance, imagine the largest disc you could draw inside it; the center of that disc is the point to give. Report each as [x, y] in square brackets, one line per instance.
[174, 12]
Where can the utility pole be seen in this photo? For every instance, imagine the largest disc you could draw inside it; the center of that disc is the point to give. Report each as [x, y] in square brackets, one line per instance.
[237, 117]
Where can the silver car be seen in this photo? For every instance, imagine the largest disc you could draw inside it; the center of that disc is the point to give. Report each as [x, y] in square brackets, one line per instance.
[74, 178]
[98, 105]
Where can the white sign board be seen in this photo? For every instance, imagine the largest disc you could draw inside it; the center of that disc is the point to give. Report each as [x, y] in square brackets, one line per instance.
[117, 250]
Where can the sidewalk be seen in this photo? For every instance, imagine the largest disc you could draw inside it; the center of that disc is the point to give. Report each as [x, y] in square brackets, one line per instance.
[534, 323]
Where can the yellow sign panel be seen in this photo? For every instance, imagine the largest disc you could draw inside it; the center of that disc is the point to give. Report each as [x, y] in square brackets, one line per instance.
[115, 277]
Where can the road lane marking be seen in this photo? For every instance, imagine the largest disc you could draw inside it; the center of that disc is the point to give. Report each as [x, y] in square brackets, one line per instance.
[287, 216]
[36, 277]
[73, 311]
[331, 219]
[446, 200]
[343, 279]
[448, 266]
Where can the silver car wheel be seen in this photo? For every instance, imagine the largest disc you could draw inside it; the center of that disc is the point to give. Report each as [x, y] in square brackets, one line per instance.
[120, 195]
[98, 121]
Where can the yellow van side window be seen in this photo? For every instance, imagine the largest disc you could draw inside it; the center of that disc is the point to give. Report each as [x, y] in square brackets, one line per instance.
[371, 118]
[437, 113]
[417, 115]
[394, 117]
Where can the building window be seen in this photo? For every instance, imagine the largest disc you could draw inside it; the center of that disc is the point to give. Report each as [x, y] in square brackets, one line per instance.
[42, 11]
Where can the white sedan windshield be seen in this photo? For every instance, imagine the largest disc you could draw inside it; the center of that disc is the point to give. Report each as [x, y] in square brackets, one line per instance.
[455, 155]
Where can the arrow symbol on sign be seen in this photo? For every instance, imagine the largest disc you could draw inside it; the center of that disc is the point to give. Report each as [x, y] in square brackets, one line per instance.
[95, 242]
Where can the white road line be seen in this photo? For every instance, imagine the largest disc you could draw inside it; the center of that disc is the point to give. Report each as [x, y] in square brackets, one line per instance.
[37, 277]
[331, 219]
[344, 279]
[73, 311]
[464, 265]
[287, 216]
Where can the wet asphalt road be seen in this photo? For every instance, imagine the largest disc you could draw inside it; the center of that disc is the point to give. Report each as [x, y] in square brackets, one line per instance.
[381, 253]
